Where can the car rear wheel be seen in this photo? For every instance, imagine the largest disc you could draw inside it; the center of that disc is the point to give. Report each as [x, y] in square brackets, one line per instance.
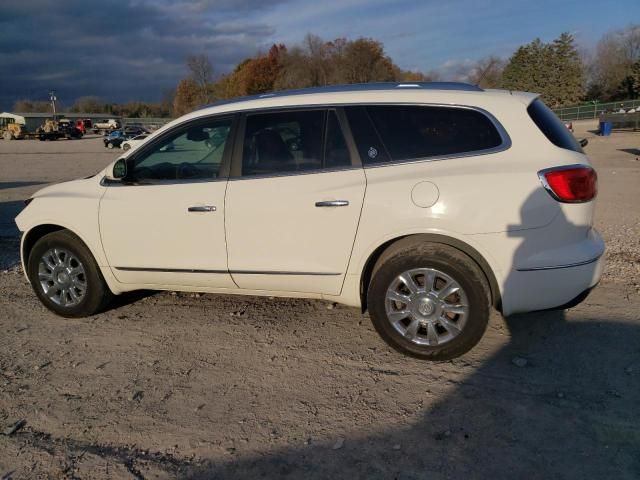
[65, 276]
[126, 147]
[428, 300]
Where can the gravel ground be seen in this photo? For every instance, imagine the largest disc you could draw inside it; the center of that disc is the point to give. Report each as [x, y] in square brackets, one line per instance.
[203, 386]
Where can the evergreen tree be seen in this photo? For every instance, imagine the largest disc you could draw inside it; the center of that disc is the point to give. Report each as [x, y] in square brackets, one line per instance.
[554, 70]
[567, 79]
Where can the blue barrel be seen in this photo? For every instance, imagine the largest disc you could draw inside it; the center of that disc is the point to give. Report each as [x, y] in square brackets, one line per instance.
[606, 128]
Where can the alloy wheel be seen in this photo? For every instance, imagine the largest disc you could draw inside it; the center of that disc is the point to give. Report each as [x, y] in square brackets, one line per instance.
[426, 306]
[62, 277]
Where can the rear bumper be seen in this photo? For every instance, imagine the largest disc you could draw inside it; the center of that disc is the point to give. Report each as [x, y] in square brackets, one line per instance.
[550, 288]
[576, 301]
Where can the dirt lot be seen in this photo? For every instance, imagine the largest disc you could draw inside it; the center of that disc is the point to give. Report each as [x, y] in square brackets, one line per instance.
[203, 386]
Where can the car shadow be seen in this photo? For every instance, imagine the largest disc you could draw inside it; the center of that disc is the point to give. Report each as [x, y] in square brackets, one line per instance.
[8, 185]
[9, 234]
[128, 298]
[633, 151]
[560, 414]
[546, 405]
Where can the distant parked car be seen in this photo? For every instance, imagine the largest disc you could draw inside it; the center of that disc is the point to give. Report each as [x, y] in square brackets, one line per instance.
[114, 139]
[108, 125]
[79, 124]
[133, 131]
[134, 142]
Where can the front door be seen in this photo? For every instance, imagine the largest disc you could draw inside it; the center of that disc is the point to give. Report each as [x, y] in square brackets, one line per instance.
[164, 225]
[293, 203]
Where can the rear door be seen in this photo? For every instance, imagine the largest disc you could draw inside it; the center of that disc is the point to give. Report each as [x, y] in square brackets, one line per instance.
[293, 202]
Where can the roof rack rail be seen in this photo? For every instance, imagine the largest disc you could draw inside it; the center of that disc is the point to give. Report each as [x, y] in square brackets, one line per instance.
[354, 87]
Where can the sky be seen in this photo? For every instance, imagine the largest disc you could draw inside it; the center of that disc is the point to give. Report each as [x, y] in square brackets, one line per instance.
[122, 50]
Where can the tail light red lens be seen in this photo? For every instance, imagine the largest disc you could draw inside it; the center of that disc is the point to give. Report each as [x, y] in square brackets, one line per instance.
[570, 184]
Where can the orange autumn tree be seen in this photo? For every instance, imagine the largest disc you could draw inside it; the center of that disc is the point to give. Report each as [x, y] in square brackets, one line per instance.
[188, 96]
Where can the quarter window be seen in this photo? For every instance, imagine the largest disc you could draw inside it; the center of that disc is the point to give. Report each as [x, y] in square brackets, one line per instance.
[552, 126]
[293, 141]
[413, 132]
[192, 153]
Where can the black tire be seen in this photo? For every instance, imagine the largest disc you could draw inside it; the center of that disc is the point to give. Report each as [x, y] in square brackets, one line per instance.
[96, 294]
[409, 254]
[110, 145]
[126, 147]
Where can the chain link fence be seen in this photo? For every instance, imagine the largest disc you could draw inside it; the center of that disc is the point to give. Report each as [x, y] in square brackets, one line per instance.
[593, 110]
[147, 122]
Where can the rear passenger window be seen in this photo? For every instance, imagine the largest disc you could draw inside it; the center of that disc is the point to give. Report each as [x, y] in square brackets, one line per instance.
[370, 147]
[552, 127]
[294, 141]
[413, 132]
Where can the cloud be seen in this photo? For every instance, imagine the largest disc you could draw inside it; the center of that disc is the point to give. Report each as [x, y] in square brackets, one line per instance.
[133, 49]
[456, 70]
[120, 50]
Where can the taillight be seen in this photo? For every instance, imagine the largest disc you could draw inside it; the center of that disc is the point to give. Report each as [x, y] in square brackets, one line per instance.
[570, 184]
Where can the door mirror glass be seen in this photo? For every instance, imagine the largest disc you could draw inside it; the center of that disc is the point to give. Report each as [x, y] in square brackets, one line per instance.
[120, 169]
[197, 134]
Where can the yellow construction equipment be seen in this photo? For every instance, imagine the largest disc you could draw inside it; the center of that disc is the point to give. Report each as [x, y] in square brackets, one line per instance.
[12, 131]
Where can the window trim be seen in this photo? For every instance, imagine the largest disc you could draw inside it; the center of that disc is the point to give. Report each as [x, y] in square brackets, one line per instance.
[235, 173]
[223, 173]
[505, 143]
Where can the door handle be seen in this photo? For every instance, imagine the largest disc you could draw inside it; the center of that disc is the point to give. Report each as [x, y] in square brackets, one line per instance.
[203, 208]
[332, 203]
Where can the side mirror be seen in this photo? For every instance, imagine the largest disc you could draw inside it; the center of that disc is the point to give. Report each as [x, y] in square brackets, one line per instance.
[197, 134]
[584, 142]
[120, 169]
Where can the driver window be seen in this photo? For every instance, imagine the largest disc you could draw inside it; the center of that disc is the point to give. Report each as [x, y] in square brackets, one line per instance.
[192, 153]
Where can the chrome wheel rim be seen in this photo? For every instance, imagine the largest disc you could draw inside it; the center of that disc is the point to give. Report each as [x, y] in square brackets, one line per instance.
[426, 306]
[62, 277]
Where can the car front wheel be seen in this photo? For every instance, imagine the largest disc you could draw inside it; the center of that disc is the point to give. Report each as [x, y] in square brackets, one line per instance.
[428, 300]
[65, 276]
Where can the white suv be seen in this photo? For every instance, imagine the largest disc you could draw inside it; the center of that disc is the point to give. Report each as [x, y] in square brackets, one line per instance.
[133, 142]
[425, 204]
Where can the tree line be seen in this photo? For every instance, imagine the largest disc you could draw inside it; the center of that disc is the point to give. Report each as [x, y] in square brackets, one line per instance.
[313, 63]
[92, 104]
[558, 70]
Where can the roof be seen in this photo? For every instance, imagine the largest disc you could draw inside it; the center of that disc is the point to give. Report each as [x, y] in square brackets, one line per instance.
[354, 87]
[17, 118]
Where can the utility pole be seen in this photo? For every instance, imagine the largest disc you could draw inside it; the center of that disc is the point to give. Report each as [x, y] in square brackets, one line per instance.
[52, 98]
